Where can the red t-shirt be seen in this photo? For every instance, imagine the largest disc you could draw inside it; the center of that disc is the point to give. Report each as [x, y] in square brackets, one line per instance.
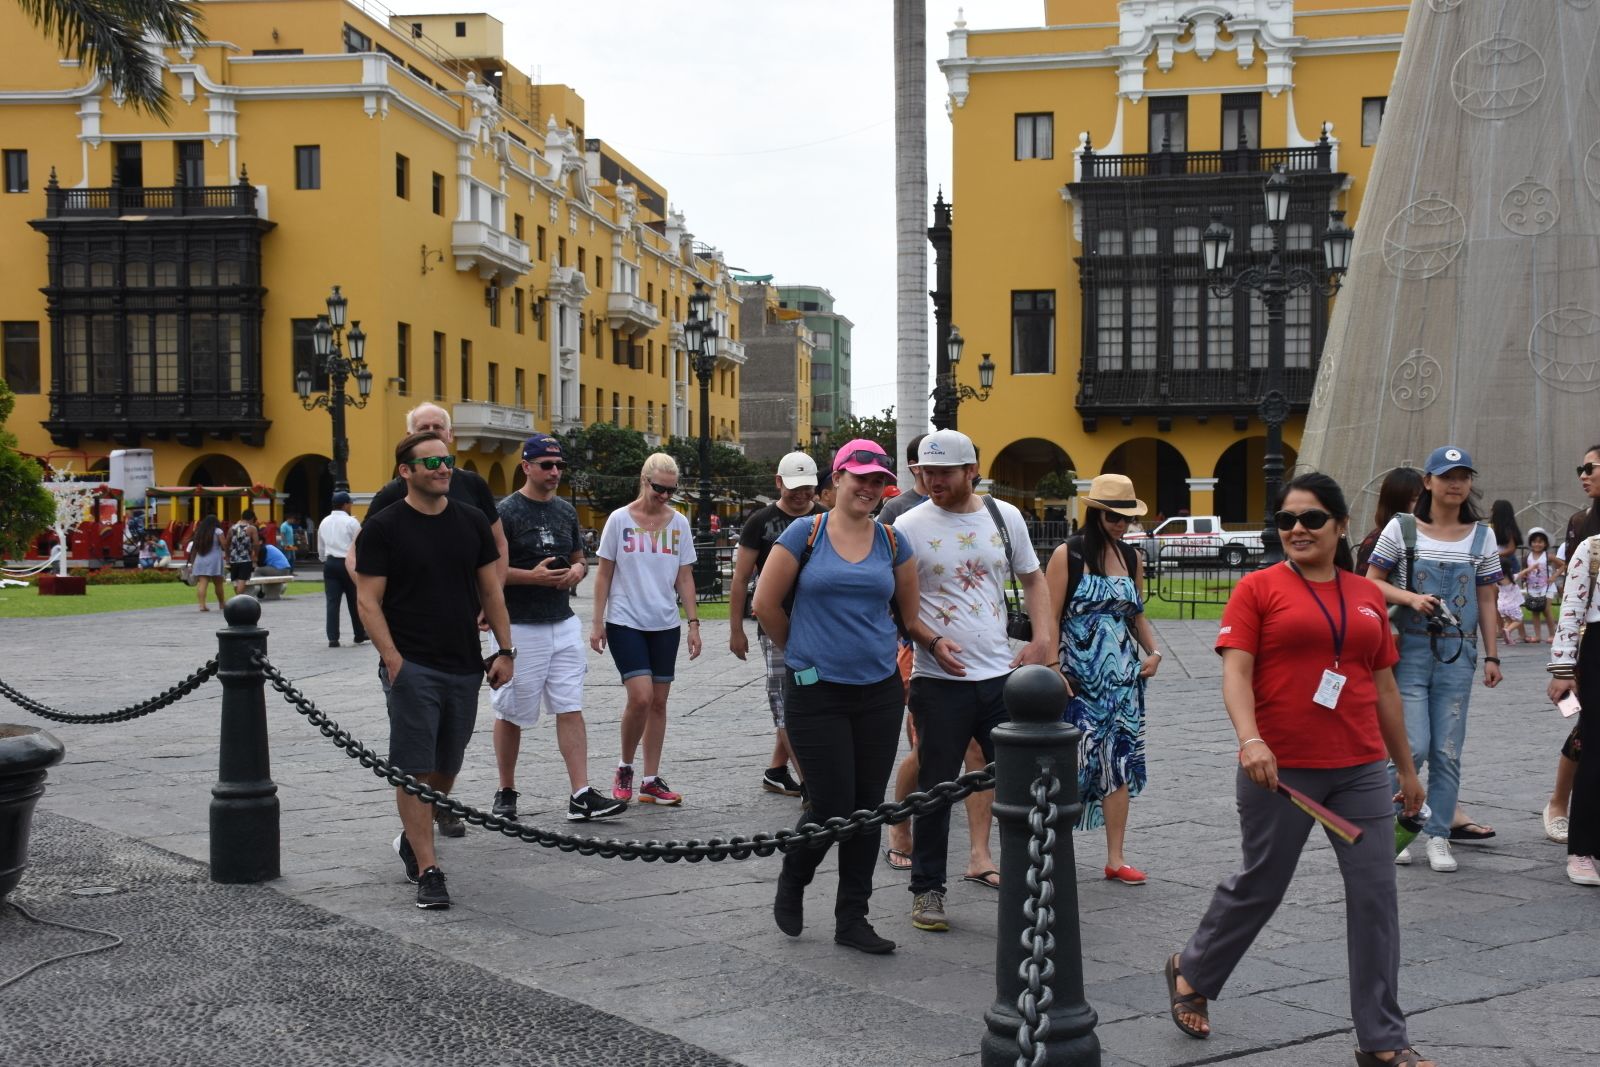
[1272, 616]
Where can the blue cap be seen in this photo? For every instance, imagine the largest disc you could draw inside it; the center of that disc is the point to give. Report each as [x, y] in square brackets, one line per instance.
[539, 446]
[1448, 458]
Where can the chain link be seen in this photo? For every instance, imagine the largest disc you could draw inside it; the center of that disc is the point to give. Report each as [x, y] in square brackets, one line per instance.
[168, 697]
[1038, 969]
[737, 847]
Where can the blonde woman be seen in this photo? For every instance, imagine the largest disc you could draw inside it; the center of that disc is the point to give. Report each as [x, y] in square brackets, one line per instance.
[646, 560]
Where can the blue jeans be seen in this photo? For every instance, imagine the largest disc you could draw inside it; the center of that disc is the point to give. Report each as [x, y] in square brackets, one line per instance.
[1435, 696]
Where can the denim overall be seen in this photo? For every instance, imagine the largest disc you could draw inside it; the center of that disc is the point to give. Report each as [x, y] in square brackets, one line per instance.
[1436, 694]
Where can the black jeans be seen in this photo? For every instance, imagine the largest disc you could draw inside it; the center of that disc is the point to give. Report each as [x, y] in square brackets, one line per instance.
[948, 714]
[845, 738]
[336, 582]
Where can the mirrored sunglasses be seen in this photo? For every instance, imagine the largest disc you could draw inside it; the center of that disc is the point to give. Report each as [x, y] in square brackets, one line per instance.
[865, 457]
[433, 463]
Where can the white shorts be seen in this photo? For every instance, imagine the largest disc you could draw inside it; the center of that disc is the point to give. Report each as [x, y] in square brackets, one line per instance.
[549, 670]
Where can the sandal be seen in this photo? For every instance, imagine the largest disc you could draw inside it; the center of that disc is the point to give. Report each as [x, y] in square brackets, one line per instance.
[1406, 1057]
[1192, 1003]
[1470, 831]
[898, 859]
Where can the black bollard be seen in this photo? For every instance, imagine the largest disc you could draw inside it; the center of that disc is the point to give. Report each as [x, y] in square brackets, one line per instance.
[1036, 740]
[244, 802]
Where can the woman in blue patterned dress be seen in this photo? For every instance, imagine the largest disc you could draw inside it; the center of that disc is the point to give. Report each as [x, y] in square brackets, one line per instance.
[1108, 651]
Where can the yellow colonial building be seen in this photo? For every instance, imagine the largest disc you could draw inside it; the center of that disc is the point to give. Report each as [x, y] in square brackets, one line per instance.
[1089, 156]
[162, 282]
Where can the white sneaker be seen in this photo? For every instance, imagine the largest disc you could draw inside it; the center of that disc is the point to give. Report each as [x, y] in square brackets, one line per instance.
[1439, 857]
[1581, 871]
[1403, 857]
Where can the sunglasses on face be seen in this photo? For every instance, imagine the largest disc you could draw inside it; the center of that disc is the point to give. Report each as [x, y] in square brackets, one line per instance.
[1311, 519]
[433, 463]
[1113, 517]
[863, 456]
[1586, 469]
[551, 465]
[664, 490]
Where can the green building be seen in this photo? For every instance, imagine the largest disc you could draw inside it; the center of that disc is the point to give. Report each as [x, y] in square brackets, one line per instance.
[830, 360]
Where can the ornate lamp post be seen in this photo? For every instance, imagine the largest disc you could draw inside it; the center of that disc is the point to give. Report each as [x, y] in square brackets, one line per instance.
[1275, 283]
[328, 339]
[700, 339]
[949, 393]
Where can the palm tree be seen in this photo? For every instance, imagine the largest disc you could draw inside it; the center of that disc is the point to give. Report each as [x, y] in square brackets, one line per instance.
[111, 36]
[911, 240]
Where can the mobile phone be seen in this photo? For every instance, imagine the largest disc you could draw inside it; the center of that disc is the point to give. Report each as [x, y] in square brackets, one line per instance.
[1569, 705]
[806, 677]
[558, 563]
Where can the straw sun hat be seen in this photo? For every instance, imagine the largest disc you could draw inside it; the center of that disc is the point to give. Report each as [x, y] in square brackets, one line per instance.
[1114, 493]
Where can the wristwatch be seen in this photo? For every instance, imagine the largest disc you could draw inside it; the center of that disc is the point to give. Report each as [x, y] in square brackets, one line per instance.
[508, 653]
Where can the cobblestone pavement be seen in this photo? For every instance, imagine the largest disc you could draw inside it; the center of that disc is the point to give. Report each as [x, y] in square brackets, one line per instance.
[1500, 958]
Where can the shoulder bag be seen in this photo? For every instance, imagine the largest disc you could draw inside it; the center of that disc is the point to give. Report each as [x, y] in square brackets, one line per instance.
[1019, 626]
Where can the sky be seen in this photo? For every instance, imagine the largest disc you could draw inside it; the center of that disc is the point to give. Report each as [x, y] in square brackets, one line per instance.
[770, 123]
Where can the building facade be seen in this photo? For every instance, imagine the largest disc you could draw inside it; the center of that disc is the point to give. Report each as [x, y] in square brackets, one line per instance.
[776, 406]
[830, 355]
[1089, 156]
[164, 279]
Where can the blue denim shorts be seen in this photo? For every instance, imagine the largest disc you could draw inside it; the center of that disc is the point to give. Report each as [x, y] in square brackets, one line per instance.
[643, 652]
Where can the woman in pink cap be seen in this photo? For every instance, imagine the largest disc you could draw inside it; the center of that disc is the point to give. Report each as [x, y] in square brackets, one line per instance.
[824, 598]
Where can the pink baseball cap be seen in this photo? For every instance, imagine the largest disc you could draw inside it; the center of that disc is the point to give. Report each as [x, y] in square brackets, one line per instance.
[862, 456]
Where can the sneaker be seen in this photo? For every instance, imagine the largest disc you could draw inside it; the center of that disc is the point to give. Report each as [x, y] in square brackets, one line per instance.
[927, 912]
[448, 823]
[861, 936]
[431, 892]
[1403, 857]
[622, 784]
[403, 848]
[1580, 870]
[655, 791]
[589, 804]
[779, 780]
[1439, 857]
[334, 643]
[505, 803]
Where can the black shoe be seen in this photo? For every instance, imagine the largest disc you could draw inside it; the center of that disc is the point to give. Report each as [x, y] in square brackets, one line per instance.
[589, 804]
[788, 907]
[505, 803]
[361, 640]
[408, 857]
[334, 643]
[431, 892]
[779, 780]
[862, 937]
[448, 823]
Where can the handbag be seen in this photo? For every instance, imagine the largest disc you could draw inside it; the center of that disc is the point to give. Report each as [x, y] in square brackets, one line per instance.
[1019, 626]
[1536, 604]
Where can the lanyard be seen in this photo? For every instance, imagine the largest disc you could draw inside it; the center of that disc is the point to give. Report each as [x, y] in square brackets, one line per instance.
[1344, 617]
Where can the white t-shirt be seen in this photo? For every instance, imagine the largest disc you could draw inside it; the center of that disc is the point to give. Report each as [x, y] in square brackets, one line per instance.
[961, 574]
[644, 577]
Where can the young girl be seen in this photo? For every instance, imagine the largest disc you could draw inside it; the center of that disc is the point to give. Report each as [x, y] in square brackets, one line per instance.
[1538, 580]
[1509, 598]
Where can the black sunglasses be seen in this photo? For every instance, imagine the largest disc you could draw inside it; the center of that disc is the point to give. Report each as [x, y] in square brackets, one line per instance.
[1586, 470]
[664, 490]
[433, 463]
[551, 465]
[862, 455]
[1311, 519]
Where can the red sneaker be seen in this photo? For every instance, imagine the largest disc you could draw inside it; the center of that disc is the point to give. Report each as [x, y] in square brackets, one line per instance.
[1125, 874]
[622, 784]
[656, 792]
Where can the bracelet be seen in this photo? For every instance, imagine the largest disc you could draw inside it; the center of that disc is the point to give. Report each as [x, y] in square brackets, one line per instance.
[1252, 741]
[1156, 652]
[935, 642]
[1562, 670]
[694, 622]
[1492, 659]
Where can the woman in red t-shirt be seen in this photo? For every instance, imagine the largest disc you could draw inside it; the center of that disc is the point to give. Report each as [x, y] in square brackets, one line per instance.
[1307, 680]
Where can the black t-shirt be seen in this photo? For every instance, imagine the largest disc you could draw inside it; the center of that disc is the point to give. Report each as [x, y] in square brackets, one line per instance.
[431, 598]
[536, 530]
[763, 528]
[465, 488]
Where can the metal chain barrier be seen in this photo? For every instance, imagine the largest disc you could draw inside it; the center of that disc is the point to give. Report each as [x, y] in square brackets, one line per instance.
[737, 847]
[1039, 967]
[166, 698]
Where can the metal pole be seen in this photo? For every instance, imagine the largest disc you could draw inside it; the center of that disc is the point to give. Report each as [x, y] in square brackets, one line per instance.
[704, 374]
[244, 802]
[338, 371]
[1274, 408]
[1036, 740]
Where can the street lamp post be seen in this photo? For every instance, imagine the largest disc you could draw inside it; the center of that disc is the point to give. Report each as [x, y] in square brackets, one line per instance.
[327, 338]
[700, 338]
[948, 394]
[1275, 283]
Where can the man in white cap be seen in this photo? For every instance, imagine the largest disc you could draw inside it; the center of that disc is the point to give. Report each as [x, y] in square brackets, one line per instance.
[797, 497]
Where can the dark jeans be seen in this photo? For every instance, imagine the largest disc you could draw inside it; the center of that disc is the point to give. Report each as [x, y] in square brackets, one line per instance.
[336, 582]
[844, 738]
[948, 714]
[1583, 837]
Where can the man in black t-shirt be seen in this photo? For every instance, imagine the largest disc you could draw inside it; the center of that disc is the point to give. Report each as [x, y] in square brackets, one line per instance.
[427, 567]
[797, 488]
[546, 565]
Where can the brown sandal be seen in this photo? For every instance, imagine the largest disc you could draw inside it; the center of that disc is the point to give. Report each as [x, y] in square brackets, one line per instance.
[1192, 1003]
[1406, 1057]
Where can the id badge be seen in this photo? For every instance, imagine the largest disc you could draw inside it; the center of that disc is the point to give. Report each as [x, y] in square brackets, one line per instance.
[1329, 689]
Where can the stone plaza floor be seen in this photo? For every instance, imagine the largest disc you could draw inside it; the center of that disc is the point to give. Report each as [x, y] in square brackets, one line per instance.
[583, 957]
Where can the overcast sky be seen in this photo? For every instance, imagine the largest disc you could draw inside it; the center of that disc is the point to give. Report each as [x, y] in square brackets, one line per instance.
[770, 123]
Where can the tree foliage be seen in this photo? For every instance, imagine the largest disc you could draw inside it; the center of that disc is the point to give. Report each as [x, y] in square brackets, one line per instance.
[1057, 485]
[110, 35]
[605, 462]
[26, 507]
[879, 428]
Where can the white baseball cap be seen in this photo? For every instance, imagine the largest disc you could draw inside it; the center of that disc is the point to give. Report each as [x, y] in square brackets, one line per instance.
[946, 448]
[797, 469]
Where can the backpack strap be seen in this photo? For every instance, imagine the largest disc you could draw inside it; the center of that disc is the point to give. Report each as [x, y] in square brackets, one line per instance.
[1074, 566]
[1408, 538]
[811, 544]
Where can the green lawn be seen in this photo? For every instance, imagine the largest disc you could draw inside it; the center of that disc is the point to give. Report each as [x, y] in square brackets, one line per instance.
[28, 604]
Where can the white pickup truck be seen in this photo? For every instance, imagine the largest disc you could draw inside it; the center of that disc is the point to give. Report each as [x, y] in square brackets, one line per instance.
[1196, 537]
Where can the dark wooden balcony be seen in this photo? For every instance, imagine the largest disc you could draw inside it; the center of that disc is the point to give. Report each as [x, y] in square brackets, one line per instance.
[165, 201]
[1234, 161]
[188, 418]
[1165, 391]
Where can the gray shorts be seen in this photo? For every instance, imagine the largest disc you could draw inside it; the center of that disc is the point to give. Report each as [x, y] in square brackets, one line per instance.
[776, 669]
[431, 717]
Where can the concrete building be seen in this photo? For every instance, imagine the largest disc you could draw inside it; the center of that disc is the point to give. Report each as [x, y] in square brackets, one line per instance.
[775, 408]
[830, 359]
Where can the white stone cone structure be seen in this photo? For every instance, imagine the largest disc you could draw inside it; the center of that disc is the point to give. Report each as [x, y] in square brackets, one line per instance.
[1471, 313]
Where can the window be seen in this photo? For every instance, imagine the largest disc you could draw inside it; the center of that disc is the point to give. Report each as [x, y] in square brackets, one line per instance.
[1033, 332]
[541, 315]
[16, 170]
[630, 413]
[821, 372]
[1297, 332]
[519, 387]
[461, 29]
[127, 165]
[402, 358]
[277, 51]
[1186, 327]
[583, 401]
[153, 353]
[649, 416]
[538, 243]
[1241, 121]
[583, 335]
[21, 343]
[516, 309]
[438, 194]
[304, 356]
[1259, 331]
[1142, 331]
[1169, 124]
[650, 291]
[1108, 328]
[191, 162]
[516, 226]
[308, 166]
[1371, 119]
[402, 177]
[466, 369]
[649, 356]
[616, 410]
[1144, 241]
[494, 382]
[561, 251]
[599, 272]
[438, 366]
[493, 294]
[582, 259]
[1036, 136]
[1219, 334]
[355, 40]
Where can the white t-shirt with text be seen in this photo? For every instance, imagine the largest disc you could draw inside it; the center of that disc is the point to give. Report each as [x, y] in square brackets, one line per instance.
[644, 576]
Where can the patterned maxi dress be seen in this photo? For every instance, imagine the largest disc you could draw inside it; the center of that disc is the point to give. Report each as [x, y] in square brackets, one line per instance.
[1099, 654]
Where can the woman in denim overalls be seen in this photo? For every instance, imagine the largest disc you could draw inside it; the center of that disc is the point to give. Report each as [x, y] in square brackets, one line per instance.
[1436, 692]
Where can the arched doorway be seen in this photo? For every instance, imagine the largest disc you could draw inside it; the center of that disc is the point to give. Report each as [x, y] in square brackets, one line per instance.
[518, 478]
[308, 484]
[497, 480]
[1160, 474]
[1017, 469]
[471, 465]
[1241, 492]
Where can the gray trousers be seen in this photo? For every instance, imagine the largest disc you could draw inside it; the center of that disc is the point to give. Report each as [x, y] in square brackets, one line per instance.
[1273, 832]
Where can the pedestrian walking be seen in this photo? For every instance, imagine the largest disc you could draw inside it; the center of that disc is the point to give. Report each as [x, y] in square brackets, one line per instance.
[1107, 651]
[336, 537]
[244, 548]
[1538, 580]
[796, 482]
[1308, 683]
[1582, 525]
[1575, 678]
[898, 854]
[1440, 566]
[426, 569]
[1507, 535]
[288, 533]
[1398, 493]
[205, 552]
[969, 549]
[546, 566]
[646, 569]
